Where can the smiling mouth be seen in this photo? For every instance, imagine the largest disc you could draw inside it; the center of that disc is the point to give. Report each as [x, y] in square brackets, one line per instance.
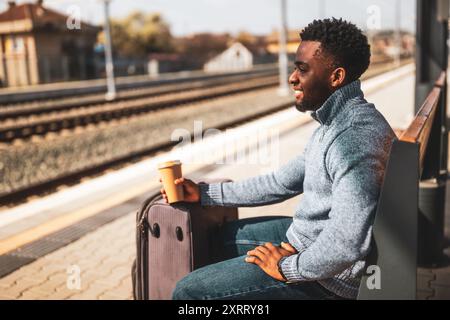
[298, 94]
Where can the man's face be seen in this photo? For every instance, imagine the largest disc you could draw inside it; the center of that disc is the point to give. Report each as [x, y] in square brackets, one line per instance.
[310, 79]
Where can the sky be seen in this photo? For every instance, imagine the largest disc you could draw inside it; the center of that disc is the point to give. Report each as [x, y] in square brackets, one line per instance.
[232, 16]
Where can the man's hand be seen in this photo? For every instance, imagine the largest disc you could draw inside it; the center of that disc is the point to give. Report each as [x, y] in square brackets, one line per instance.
[267, 257]
[190, 189]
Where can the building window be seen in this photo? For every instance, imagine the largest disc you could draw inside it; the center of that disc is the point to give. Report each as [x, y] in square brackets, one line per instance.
[17, 44]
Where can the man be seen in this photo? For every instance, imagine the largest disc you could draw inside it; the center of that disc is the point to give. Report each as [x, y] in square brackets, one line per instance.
[319, 254]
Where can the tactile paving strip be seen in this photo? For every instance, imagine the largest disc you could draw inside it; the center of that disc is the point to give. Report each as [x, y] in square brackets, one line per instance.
[9, 263]
[28, 253]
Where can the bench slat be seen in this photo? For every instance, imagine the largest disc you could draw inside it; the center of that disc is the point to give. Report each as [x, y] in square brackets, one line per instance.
[441, 80]
[420, 129]
[417, 130]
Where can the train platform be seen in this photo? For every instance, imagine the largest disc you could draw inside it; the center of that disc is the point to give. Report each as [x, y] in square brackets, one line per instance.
[80, 242]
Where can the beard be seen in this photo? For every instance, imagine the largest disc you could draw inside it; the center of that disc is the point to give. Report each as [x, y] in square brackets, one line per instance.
[313, 100]
[305, 105]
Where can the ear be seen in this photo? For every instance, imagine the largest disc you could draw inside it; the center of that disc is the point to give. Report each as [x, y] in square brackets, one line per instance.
[337, 77]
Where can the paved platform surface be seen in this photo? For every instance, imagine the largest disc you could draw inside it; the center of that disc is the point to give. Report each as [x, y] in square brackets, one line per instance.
[434, 283]
[98, 265]
[104, 257]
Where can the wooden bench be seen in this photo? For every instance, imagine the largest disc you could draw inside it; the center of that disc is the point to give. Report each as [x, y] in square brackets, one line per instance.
[395, 231]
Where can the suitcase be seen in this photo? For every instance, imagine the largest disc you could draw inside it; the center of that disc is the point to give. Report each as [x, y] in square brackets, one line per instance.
[173, 240]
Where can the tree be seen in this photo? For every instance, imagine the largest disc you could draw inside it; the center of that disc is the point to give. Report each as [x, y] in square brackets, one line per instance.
[256, 44]
[140, 34]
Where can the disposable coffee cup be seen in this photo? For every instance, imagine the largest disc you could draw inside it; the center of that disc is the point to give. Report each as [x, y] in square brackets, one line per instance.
[170, 171]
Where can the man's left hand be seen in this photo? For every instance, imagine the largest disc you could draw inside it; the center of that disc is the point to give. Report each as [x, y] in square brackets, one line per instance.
[267, 257]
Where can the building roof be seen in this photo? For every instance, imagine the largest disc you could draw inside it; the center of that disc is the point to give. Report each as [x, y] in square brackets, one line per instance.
[38, 17]
[234, 46]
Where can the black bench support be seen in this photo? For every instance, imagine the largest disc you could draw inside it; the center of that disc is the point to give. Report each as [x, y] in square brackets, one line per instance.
[394, 243]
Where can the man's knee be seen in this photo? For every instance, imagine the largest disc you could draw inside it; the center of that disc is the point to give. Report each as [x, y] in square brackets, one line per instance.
[185, 290]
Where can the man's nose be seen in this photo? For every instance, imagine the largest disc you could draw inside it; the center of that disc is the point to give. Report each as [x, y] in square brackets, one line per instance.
[293, 79]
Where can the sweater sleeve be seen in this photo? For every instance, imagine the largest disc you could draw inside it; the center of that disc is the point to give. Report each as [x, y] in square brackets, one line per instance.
[355, 163]
[277, 186]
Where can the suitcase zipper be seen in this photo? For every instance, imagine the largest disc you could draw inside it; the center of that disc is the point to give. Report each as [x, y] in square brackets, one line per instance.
[142, 248]
[143, 224]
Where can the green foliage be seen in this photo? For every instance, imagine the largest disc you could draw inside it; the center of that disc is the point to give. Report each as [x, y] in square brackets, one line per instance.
[140, 34]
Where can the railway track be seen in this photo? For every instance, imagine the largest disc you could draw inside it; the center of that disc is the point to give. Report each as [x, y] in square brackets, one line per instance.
[42, 117]
[76, 89]
[56, 118]
[14, 111]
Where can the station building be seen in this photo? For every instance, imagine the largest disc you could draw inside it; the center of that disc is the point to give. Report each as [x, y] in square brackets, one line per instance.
[40, 45]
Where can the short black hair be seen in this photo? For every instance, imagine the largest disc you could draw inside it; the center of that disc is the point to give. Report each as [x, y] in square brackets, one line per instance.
[343, 41]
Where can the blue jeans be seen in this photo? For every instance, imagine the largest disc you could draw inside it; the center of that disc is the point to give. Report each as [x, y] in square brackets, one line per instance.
[234, 278]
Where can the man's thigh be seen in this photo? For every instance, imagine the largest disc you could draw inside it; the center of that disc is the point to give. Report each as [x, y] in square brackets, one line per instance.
[237, 279]
[240, 236]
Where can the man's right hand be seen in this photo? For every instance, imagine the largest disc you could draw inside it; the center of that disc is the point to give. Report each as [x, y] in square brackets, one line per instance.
[190, 189]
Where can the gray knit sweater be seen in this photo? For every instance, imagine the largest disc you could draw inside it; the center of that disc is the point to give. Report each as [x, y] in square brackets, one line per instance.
[340, 174]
